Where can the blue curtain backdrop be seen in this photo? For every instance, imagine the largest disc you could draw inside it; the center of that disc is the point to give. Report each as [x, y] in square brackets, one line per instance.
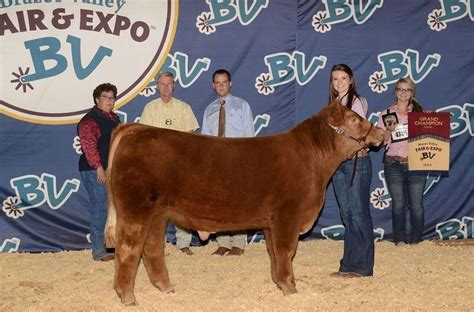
[280, 53]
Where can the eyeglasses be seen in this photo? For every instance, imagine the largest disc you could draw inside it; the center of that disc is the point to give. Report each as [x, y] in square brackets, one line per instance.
[105, 97]
[404, 90]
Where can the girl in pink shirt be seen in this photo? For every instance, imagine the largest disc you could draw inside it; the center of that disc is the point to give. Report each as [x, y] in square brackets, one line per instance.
[405, 188]
[353, 198]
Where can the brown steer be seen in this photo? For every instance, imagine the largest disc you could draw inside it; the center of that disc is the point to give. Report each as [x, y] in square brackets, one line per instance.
[275, 183]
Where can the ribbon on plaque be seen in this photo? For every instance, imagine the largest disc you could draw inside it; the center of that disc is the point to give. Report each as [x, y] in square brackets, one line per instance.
[428, 142]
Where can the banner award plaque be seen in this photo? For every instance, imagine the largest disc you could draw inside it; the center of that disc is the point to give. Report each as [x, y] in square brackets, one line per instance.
[428, 142]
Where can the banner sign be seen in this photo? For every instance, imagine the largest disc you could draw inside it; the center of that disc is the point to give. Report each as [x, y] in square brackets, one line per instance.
[73, 46]
[53, 53]
[428, 143]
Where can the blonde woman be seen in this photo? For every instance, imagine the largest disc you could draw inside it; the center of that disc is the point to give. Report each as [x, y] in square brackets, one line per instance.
[405, 188]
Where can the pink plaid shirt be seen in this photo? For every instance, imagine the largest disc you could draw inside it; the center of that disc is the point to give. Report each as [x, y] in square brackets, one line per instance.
[395, 148]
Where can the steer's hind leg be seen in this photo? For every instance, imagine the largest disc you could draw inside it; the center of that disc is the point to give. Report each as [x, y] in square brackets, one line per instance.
[284, 248]
[154, 255]
[128, 249]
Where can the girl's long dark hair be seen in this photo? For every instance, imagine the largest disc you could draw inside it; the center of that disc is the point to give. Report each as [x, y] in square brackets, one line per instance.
[351, 93]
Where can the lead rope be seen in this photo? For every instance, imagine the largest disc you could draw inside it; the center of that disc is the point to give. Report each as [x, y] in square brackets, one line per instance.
[341, 131]
[354, 167]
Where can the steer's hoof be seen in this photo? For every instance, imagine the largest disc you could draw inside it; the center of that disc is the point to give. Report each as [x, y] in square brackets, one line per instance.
[169, 290]
[130, 304]
[288, 290]
[165, 288]
[128, 299]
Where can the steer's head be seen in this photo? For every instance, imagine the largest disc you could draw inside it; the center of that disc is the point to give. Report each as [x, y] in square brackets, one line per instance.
[358, 132]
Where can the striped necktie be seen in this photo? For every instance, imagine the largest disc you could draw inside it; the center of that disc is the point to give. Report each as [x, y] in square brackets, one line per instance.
[221, 131]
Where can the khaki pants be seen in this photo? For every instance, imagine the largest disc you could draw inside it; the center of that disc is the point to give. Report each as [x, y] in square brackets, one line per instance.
[232, 239]
[183, 237]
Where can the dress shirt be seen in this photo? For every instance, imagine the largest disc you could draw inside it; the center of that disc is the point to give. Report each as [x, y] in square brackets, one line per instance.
[175, 115]
[239, 118]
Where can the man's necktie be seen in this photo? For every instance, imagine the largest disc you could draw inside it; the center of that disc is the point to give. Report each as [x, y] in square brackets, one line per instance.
[221, 131]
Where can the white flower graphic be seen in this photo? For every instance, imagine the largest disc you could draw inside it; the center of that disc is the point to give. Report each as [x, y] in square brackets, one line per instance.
[76, 144]
[9, 207]
[433, 20]
[376, 198]
[374, 82]
[318, 25]
[202, 23]
[148, 91]
[261, 84]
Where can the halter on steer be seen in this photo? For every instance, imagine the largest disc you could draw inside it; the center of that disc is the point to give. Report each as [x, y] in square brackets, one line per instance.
[360, 140]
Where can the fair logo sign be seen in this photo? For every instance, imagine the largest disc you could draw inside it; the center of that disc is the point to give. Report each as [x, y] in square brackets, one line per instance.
[397, 64]
[55, 52]
[339, 11]
[226, 11]
[451, 10]
[284, 68]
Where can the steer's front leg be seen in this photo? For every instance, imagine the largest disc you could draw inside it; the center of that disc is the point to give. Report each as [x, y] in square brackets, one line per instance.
[284, 241]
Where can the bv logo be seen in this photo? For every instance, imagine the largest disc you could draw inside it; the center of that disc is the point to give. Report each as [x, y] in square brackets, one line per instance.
[461, 120]
[184, 73]
[451, 10]
[260, 122]
[10, 245]
[455, 229]
[55, 54]
[398, 64]
[284, 67]
[33, 191]
[338, 11]
[225, 11]
[336, 233]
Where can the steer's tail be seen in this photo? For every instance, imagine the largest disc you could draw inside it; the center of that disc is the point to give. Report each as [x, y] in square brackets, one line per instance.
[110, 226]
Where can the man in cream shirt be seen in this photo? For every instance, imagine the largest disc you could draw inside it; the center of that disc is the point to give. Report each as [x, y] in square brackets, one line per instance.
[171, 113]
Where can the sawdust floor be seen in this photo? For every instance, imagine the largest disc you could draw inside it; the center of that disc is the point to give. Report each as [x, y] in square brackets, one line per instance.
[434, 275]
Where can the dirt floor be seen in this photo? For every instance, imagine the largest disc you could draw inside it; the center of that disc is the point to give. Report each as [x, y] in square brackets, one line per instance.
[435, 275]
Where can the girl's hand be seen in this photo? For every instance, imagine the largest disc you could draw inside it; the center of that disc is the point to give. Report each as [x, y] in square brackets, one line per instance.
[387, 135]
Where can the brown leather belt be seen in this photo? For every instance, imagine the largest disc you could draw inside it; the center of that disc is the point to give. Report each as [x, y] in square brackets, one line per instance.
[400, 159]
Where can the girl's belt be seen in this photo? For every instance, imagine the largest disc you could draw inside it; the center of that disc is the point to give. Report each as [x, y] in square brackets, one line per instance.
[400, 159]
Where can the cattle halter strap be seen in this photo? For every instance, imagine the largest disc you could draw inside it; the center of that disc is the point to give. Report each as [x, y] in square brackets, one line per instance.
[360, 140]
